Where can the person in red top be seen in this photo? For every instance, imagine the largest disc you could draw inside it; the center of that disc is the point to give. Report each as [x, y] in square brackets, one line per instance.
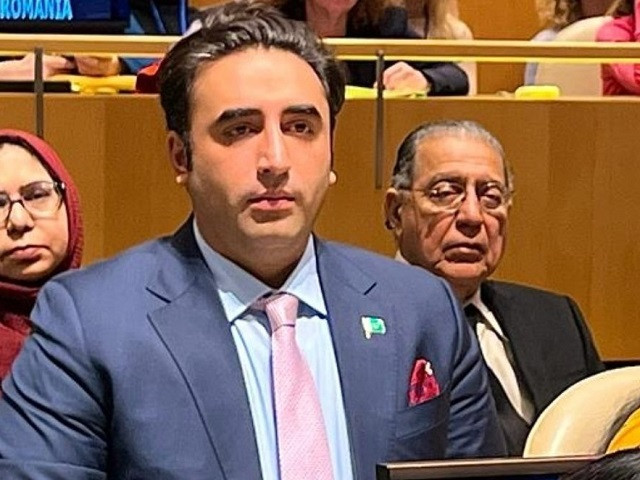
[40, 232]
[621, 78]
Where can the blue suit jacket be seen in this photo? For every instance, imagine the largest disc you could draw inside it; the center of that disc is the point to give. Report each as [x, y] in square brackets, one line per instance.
[131, 371]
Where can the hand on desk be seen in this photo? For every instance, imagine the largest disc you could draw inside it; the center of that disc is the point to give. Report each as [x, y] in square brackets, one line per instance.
[402, 76]
[24, 68]
[98, 66]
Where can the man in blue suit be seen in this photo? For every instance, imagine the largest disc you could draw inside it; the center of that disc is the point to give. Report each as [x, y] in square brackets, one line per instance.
[158, 363]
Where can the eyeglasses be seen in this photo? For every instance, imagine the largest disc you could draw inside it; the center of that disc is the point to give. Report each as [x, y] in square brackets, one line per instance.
[449, 195]
[40, 199]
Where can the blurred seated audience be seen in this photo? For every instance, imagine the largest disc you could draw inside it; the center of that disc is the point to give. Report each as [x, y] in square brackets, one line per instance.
[553, 15]
[437, 19]
[595, 8]
[448, 207]
[377, 19]
[156, 17]
[574, 79]
[440, 19]
[150, 17]
[621, 465]
[621, 78]
[40, 231]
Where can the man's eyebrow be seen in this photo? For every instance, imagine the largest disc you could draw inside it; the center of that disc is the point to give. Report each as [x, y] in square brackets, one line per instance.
[235, 113]
[449, 177]
[461, 179]
[302, 109]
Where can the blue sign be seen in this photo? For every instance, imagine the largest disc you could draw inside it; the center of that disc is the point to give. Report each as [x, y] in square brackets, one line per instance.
[57, 10]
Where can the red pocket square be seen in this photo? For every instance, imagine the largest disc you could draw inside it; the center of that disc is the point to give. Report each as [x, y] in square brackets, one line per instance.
[423, 385]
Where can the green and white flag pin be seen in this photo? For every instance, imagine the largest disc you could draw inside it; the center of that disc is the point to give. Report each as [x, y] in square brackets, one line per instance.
[373, 326]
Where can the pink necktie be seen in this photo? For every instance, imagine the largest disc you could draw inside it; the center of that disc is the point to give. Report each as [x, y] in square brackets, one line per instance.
[303, 449]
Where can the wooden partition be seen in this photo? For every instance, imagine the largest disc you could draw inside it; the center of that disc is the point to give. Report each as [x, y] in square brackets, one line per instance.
[574, 227]
[505, 20]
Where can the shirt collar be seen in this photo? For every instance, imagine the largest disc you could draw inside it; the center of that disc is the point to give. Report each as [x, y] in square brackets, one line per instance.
[238, 289]
[487, 315]
[398, 256]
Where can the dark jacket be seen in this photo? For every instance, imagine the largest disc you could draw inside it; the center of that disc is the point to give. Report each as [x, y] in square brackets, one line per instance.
[551, 344]
[132, 371]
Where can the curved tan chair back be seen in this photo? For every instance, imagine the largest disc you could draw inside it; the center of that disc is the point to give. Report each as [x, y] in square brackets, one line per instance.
[579, 420]
[574, 79]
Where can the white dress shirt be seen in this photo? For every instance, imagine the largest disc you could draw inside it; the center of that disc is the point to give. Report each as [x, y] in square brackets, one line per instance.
[496, 350]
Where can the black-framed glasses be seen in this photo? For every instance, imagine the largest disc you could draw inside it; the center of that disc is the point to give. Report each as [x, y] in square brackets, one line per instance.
[40, 199]
[449, 195]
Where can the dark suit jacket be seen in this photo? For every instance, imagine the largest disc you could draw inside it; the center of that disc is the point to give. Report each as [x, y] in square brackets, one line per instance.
[549, 338]
[132, 371]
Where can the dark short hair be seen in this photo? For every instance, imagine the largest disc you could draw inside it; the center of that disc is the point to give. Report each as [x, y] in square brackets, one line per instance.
[404, 168]
[621, 465]
[234, 27]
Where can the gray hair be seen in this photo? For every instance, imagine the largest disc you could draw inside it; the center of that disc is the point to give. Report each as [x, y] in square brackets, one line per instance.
[404, 169]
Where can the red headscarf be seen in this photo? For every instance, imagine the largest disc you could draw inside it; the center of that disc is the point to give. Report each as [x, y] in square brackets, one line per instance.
[17, 298]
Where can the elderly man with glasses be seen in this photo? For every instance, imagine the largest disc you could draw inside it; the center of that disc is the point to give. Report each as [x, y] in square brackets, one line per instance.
[448, 208]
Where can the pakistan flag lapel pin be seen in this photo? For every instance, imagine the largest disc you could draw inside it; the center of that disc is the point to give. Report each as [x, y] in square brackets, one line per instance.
[373, 326]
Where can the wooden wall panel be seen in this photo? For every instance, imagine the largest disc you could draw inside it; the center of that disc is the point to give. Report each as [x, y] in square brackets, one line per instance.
[205, 3]
[144, 199]
[505, 20]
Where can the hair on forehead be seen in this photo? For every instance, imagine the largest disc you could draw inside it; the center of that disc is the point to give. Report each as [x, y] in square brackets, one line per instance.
[404, 168]
[234, 27]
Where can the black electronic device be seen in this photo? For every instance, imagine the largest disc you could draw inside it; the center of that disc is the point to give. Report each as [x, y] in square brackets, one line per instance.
[483, 469]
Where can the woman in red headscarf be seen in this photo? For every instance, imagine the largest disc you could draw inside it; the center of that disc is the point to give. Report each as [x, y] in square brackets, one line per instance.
[40, 231]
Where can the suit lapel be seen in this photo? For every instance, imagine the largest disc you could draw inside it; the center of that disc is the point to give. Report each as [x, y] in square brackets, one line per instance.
[194, 329]
[366, 366]
[516, 325]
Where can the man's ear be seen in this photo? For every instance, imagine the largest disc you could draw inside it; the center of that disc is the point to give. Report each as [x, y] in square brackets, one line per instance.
[179, 157]
[393, 202]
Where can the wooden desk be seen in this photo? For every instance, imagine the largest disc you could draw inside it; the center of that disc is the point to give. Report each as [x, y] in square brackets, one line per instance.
[574, 227]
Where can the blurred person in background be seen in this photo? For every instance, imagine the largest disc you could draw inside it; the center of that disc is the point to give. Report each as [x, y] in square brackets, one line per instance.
[621, 78]
[440, 20]
[554, 15]
[377, 19]
[40, 231]
[147, 17]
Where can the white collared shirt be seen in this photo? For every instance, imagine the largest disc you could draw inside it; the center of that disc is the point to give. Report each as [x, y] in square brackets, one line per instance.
[238, 290]
[496, 350]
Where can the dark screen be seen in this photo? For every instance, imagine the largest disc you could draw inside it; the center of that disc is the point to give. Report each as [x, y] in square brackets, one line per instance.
[483, 469]
[515, 477]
